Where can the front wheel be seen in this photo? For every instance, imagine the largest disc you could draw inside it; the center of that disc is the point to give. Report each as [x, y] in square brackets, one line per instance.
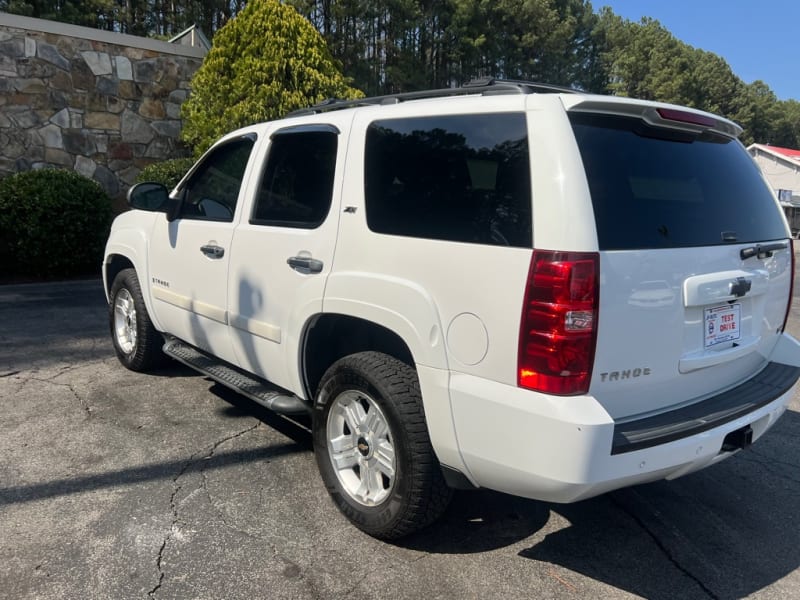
[372, 446]
[136, 341]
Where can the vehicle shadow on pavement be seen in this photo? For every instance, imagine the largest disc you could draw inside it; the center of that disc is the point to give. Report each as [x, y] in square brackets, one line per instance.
[296, 428]
[173, 370]
[476, 521]
[725, 532]
[480, 521]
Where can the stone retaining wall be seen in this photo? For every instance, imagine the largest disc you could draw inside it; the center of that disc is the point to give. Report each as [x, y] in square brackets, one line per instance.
[101, 103]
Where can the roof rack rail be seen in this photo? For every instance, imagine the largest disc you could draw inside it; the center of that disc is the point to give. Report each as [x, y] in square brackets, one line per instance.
[485, 86]
[525, 87]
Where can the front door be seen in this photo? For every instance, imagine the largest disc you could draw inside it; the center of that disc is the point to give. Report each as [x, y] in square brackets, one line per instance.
[189, 257]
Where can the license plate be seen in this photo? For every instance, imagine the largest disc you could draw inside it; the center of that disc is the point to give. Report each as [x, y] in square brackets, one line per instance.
[721, 324]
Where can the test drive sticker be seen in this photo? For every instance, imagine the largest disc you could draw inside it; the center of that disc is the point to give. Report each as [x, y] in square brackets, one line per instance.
[722, 324]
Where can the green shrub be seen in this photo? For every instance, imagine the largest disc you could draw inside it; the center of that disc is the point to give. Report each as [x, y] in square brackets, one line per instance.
[168, 172]
[53, 224]
[265, 62]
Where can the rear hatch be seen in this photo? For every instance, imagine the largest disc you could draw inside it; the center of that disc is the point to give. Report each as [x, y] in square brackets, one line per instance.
[695, 257]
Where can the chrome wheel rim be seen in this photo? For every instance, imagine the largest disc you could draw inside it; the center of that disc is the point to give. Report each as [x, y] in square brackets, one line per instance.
[360, 448]
[125, 321]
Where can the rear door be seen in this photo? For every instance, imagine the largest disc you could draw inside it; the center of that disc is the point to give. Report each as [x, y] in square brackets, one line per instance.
[695, 261]
[283, 248]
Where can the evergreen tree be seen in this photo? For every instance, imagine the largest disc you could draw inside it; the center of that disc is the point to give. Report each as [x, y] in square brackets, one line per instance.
[265, 62]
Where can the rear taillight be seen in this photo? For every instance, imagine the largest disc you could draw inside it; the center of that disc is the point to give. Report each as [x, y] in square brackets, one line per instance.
[684, 116]
[791, 286]
[558, 330]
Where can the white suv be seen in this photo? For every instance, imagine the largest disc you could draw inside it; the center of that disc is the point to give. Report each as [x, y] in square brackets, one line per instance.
[506, 285]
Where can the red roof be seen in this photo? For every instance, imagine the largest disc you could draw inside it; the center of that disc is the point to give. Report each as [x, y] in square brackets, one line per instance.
[786, 151]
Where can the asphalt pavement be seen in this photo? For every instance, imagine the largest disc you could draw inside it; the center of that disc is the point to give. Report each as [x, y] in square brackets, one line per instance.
[121, 485]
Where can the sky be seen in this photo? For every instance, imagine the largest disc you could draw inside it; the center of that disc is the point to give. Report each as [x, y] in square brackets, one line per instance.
[759, 40]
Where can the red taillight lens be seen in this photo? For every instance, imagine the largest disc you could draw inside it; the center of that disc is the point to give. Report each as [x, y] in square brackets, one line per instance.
[684, 116]
[791, 286]
[558, 330]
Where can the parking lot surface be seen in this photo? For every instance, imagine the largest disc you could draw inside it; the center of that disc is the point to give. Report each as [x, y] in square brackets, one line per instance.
[121, 485]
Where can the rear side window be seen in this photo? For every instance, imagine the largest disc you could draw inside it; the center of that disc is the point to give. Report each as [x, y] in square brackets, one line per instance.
[297, 186]
[463, 178]
[655, 188]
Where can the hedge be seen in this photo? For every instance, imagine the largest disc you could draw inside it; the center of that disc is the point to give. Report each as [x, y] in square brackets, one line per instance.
[53, 223]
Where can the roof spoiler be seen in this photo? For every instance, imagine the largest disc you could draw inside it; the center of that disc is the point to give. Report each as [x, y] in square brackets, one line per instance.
[655, 113]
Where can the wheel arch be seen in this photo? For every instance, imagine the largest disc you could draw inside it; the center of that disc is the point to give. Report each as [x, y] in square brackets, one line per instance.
[369, 311]
[329, 337]
[127, 248]
[112, 266]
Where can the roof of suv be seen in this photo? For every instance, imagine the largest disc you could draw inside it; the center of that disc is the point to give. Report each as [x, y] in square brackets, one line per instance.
[659, 113]
[485, 86]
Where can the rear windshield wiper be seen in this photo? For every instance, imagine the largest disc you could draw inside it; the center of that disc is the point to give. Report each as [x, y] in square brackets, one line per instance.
[762, 251]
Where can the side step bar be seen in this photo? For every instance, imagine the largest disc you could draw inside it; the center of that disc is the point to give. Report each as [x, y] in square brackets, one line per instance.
[272, 397]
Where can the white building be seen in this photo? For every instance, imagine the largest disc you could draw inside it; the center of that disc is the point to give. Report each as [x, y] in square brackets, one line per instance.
[781, 167]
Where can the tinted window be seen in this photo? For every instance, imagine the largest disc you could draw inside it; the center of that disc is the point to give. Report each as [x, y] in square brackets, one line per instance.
[297, 185]
[655, 189]
[464, 178]
[213, 189]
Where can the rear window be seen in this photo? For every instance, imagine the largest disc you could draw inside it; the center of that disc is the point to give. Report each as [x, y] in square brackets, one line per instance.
[463, 178]
[657, 188]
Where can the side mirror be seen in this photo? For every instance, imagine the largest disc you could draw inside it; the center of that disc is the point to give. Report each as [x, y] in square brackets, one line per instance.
[148, 196]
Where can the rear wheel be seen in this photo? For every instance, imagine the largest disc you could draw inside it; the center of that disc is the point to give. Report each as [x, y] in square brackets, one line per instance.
[136, 341]
[372, 446]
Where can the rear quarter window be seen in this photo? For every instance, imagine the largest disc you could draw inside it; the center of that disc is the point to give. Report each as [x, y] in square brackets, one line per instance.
[658, 188]
[463, 178]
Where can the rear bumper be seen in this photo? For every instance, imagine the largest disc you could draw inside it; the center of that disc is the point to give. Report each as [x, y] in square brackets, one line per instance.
[772, 382]
[568, 449]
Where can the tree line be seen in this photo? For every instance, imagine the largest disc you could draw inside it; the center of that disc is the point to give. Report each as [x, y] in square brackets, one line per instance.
[388, 46]
[153, 18]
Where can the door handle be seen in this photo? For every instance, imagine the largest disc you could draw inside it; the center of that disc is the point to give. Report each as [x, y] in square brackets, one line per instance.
[305, 264]
[212, 251]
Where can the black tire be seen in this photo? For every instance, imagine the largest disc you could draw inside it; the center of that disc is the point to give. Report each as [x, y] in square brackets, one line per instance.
[417, 494]
[142, 352]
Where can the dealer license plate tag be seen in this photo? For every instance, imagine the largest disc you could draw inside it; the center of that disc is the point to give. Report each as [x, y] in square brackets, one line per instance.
[721, 324]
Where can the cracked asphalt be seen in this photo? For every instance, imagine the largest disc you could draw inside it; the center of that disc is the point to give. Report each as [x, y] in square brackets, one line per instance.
[120, 485]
